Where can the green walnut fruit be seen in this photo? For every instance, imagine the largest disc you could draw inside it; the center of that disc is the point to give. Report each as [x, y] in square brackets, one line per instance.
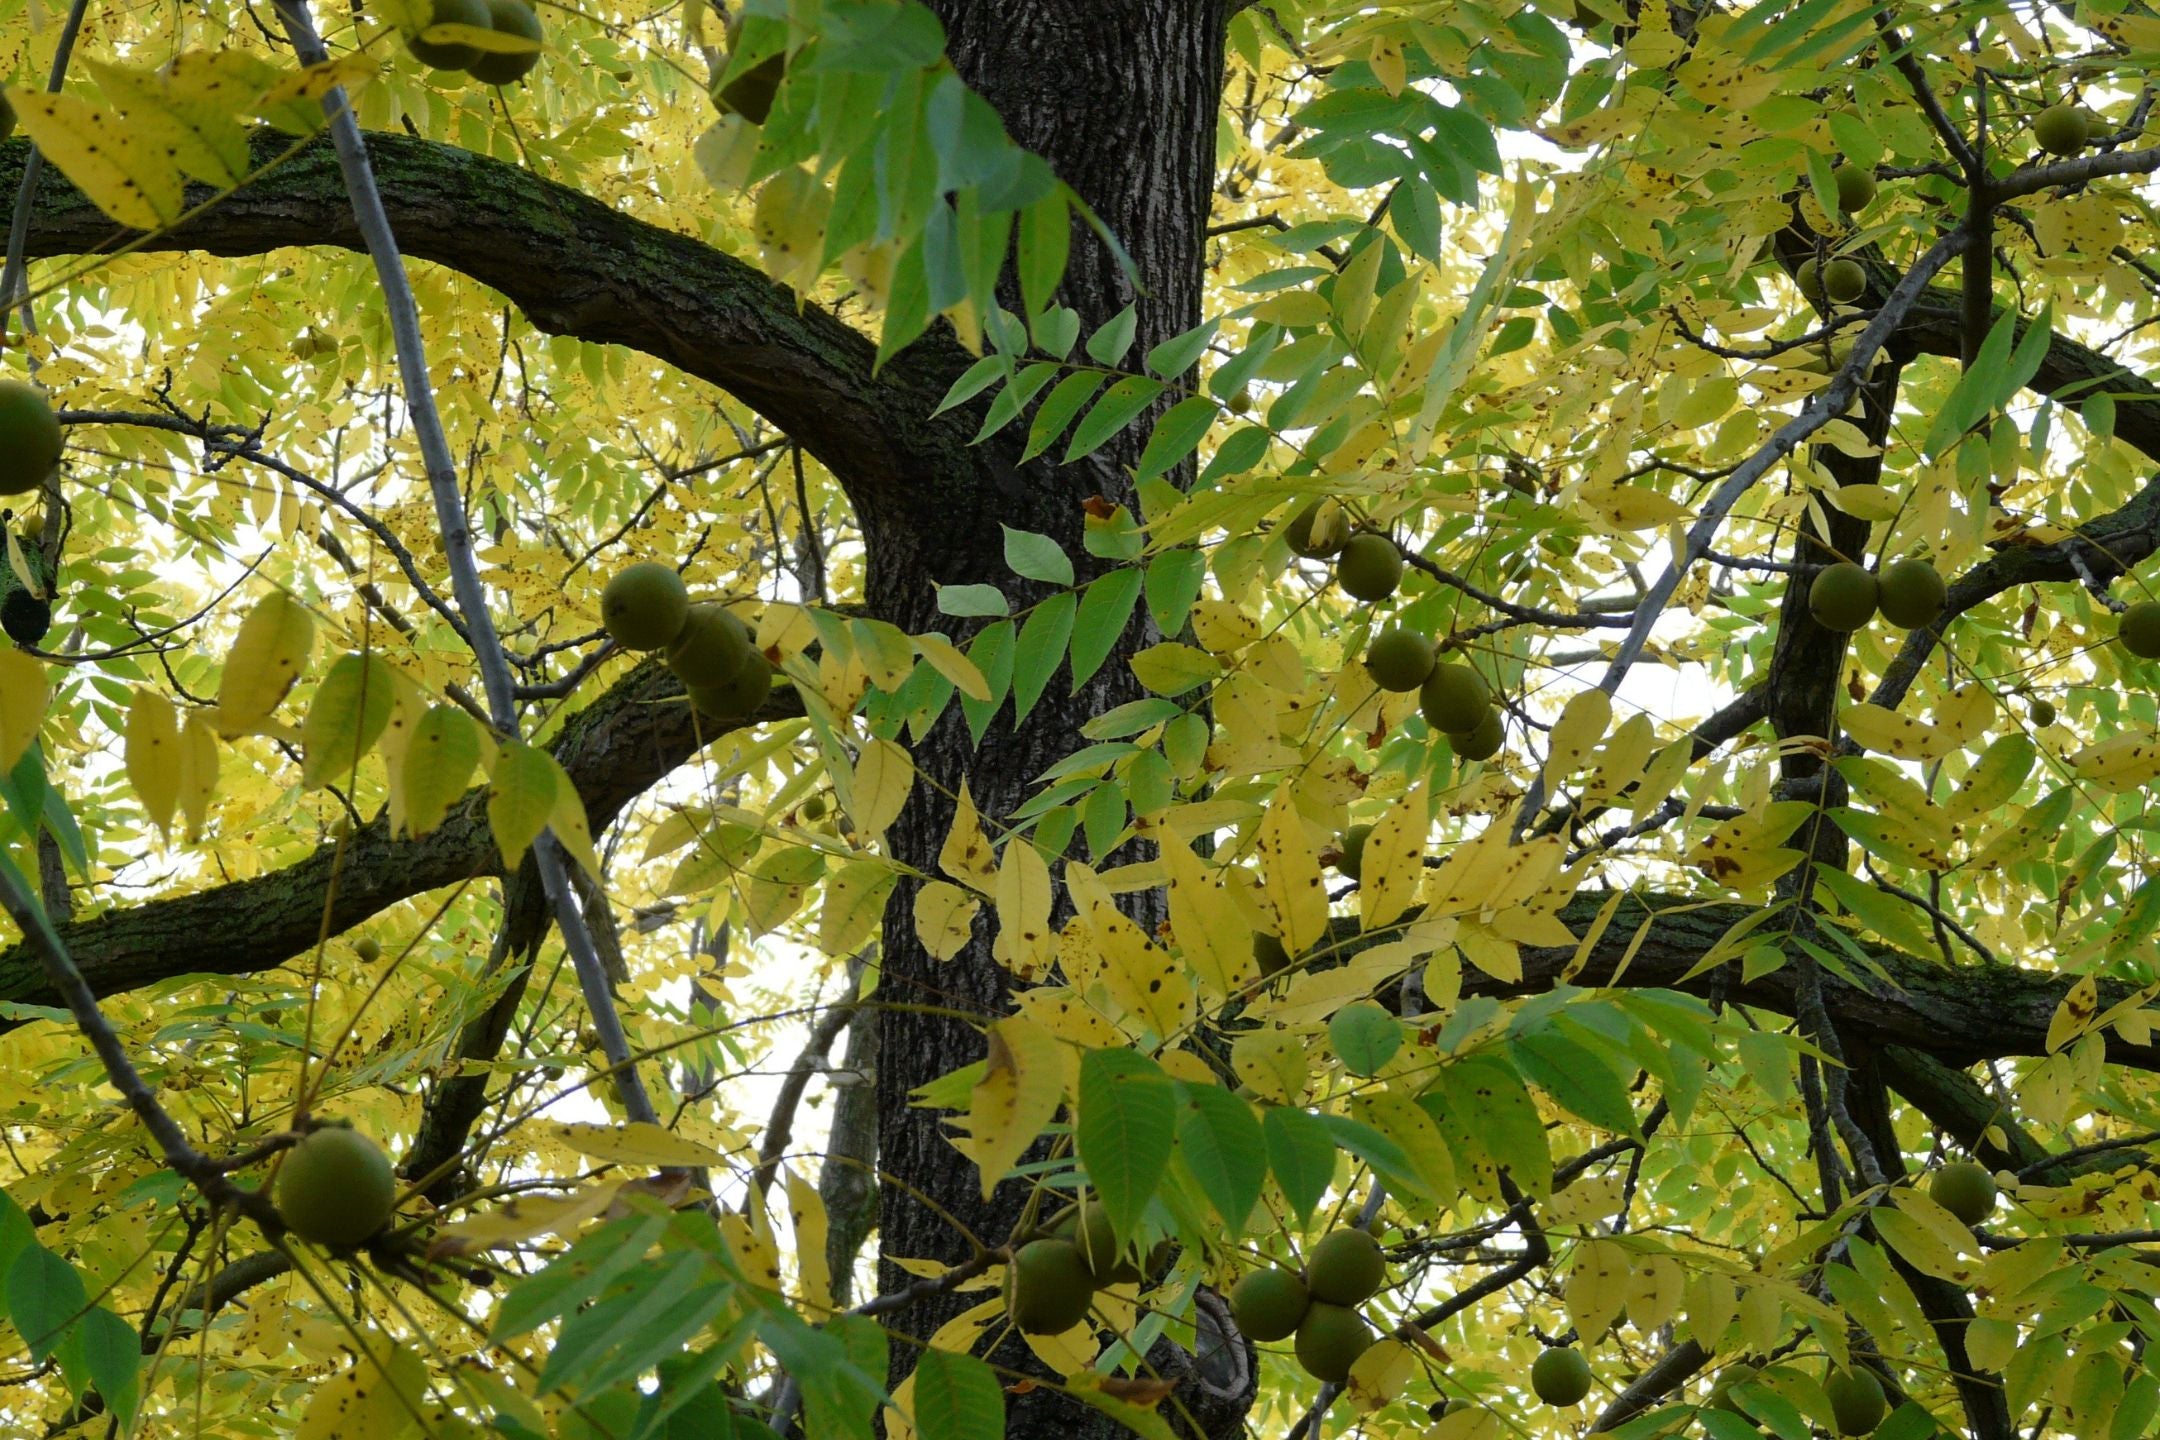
[1454, 699]
[508, 17]
[1047, 1287]
[1965, 1189]
[644, 606]
[1483, 742]
[812, 808]
[453, 56]
[1106, 1265]
[1314, 538]
[2042, 712]
[2061, 129]
[1352, 848]
[1369, 568]
[1855, 188]
[368, 948]
[711, 648]
[1268, 953]
[2139, 629]
[1269, 1304]
[1842, 597]
[29, 437]
[1241, 401]
[1911, 593]
[1856, 1401]
[739, 696]
[1839, 282]
[335, 1187]
[1560, 1376]
[1400, 660]
[1329, 1341]
[1345, 1268]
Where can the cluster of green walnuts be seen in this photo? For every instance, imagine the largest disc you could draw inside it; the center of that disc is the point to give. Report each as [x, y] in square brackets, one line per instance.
[1050, 1283]
[491, 67]
[1317, 1304]
[708, 648]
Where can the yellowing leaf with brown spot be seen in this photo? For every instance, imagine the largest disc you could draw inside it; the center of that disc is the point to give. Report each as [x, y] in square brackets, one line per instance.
[966, 855]
[521, 799]
[198, 772]
[1392, 869]
[122, 170]
[267, 656]
[1210, 932]
[23, 692]
[2122, 762]
[1025, 944]
[806, 1217]
[1622, 761]
[1291, 869]
[1581, 725]
[944, 918]
[1655, 1290]
[1630, 507]
[884, 774]
[1272, 1062]
[1222, 627]
[153, 755]
[1893, 733]
[2074, 1014]
[379, 1396]
[1139, 975]
[634, 1142]
[854, 903]
[1382, 1374]
[521, 1218]
[1597, 1288]
[1023, 1083]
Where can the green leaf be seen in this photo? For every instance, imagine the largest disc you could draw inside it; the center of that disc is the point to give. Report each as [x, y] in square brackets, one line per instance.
[1173, 583]
[1389, 1161]
[576, 1276]
[1106, 608]
[1177, 434]
[1037, 557]
[1020, 390]
[1365, 1036]
[1042, 649]
[1576, 1076]
[1058, 409]
[1108, 344]
[1173, 357]
[977, 378]
[992, 653]
[1481, 1096]
[112, 1352]
[1221, 1144]
[972, 601]
[1974, 394]
[1045, 244]
[521, 799]
[957, 1396]
[1112, 413]
[439, 763]
[1301, 1155]
[1128, 1117]
[350, 710]
[45, 1298]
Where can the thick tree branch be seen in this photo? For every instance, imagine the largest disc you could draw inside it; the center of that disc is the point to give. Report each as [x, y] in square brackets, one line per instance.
[609, 279]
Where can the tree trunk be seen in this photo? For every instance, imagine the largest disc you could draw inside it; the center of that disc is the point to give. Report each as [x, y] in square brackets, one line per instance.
[1120, 96]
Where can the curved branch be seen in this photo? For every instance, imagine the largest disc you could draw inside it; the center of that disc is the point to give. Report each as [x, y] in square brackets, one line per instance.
[609, 279]
[613, 750]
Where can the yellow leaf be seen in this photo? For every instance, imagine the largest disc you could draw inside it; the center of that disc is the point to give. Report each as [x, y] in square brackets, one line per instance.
[1294, 889]
[954, 666]
[966, 855]
[1139, 974]
[22, 703]
[521, 800]
[1025, 944]
[1580, 726]
[1892, 733]
[153, 755]
[944, 918]
[1272, 1062]
[522, 1218]
[1023, 1083]
[884, 774]
[636, 1142]
[566, 817]
[129, 175]
[379, 1396]
[854, 903]
[205, 137]
[312, 82]
[2120, 763]
[198, 771]
[408, 707]
[1211, 934]
[1597, 1288]
[267, 656]
[1631, 507]
[806, 1217]
[345, 719]
[1622, 762]
[2073, 1016]
[1393, 865]
[1382, 1374]
[438, 765]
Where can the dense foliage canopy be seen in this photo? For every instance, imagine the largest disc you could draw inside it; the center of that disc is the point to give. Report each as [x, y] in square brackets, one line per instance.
[1067, 717]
